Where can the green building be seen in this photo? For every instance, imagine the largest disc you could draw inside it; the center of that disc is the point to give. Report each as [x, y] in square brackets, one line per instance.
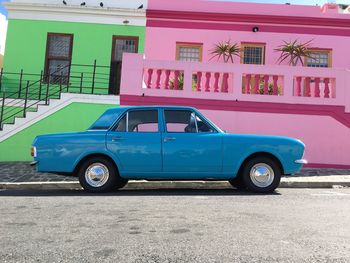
[62, 66]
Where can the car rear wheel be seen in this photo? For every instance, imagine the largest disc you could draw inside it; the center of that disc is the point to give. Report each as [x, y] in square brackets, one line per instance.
[261, 175]
[99, 175]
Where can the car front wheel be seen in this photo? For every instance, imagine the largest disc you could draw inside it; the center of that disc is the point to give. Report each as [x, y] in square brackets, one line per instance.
[261, 175]
[99, 175]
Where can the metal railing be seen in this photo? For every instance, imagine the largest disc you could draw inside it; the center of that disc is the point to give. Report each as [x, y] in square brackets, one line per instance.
[23, 92]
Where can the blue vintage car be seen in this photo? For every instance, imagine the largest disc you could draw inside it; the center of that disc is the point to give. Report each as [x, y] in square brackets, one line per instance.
[166, 143]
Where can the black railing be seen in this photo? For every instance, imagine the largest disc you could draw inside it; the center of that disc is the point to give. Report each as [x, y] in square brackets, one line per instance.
[23, 92]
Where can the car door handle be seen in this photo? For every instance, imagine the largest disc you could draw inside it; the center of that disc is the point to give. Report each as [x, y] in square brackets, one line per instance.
[115, 139]
[169, 139]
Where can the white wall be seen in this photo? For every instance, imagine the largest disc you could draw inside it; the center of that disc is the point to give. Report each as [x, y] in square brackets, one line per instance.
[3, 31]
[91, 3]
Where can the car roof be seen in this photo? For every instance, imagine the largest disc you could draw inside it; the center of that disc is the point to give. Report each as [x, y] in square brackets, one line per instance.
[124, 108]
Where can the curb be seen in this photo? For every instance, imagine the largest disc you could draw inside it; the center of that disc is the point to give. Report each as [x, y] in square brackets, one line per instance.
[145, 185]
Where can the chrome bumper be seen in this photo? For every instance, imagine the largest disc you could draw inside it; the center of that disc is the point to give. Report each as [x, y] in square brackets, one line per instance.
[33, 163]
[301, 161]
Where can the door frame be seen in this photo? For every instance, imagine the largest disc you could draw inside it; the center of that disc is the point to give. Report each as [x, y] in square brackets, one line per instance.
[48, 57]
[114, 39]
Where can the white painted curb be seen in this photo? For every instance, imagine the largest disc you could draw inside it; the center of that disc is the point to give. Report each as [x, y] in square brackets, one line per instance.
[145, 185]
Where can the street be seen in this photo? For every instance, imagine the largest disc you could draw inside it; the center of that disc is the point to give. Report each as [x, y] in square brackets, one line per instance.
[292, 225]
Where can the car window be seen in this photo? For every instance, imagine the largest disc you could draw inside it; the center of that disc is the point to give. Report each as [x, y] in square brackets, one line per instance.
[105, 121]
[143, 121]
[180, 121]
[121, 126]
[202, 126]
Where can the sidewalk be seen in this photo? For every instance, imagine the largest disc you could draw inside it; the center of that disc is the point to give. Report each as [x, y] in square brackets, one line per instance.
[20, 175]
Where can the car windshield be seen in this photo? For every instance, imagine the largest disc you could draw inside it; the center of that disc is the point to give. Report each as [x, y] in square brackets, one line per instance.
[106, 120]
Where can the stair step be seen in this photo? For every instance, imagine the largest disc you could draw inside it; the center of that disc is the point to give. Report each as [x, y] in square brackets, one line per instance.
[42, 110]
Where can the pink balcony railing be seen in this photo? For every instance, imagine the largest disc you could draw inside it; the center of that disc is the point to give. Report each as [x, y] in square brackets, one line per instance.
[201, 81]
[262, 84]
[317, 87]
[223, 81]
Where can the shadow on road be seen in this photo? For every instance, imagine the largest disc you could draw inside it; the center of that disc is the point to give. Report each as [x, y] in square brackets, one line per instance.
[138, 192]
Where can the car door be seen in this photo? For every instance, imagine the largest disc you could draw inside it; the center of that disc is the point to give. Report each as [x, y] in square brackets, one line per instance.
[136, 143]
[191, 147]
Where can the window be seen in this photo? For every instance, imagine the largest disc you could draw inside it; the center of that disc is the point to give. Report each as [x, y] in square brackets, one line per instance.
[185, 121]
[253, 54]
[58, 57]
[106, 120]
[124, 45]
[319, 59]
[189, 52]
[142, 121]
[121, 126]
[202, 126]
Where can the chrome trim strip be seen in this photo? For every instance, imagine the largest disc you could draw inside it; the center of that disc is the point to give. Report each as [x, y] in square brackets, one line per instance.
[301, 161]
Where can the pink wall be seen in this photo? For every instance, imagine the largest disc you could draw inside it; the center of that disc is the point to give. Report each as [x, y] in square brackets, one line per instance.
[161, 43]
[322, 123]
[209, 22]
[242, 8]
[327, 141]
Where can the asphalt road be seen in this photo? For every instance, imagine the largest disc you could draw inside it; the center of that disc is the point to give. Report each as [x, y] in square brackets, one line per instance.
[293, 225]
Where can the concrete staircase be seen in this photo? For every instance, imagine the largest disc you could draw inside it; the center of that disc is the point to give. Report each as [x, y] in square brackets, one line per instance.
[54, 105]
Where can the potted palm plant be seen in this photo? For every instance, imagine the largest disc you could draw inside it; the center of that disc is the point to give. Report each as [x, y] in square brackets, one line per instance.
[225, 50]
[293, 52]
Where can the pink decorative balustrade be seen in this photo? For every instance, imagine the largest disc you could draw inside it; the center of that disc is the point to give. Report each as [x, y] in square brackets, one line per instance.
[217, 82]
[236, 82]
[316, 87]
[262, 84]
[202, 81]
[167, 79]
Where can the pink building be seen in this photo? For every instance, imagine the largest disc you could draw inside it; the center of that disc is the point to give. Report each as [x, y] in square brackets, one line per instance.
[254, 94]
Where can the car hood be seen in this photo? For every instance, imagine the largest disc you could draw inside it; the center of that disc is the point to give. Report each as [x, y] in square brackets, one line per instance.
[267, 138]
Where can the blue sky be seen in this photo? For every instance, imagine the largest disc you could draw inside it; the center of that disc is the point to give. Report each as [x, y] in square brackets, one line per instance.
[2, 9]
[304, 2]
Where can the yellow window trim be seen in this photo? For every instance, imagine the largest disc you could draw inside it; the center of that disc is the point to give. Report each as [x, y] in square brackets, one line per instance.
[263, 46]
[320, 51]
[180, 45]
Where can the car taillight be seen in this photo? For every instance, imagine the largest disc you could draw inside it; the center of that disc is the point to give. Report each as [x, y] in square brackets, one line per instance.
[33, 151]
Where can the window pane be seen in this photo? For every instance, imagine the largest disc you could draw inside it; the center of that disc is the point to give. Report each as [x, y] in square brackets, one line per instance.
[121, 126]
[180, 121]
[58, 70]
[253, 55]
[318, 59]
[202, 126]
[59, 46]
[190, 53]
[143, 121]
[124, 45]
[105, 120]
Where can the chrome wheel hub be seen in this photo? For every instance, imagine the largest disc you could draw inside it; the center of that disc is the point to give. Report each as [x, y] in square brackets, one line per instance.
[262, 175]
[96, 175]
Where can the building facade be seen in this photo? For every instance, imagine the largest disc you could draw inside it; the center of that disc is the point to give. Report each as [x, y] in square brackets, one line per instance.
[71, 58]
[46, 36]
[259, 29]
[59, 57]
[255, 92]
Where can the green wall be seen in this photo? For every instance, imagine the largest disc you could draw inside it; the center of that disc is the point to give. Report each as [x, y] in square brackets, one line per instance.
[26, 42]
[74, 117]
[26, 45]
